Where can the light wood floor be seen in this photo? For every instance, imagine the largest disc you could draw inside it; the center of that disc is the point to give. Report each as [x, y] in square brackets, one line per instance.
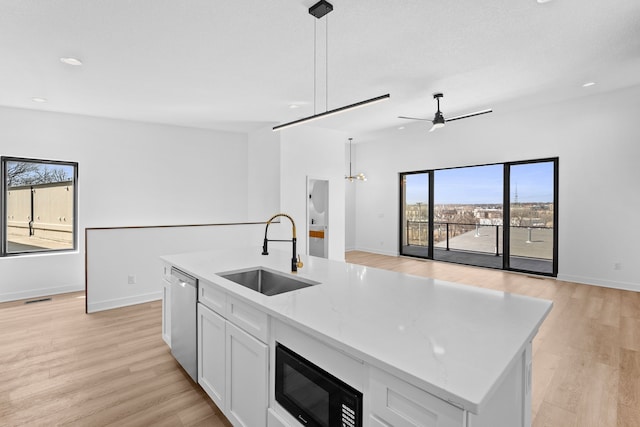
[59, 366]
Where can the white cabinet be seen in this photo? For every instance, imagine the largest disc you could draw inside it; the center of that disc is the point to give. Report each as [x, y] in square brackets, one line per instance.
[233, 366]
[396, 403]
[275, 420]
[166, 312]
[166, 303]
[212, 296]
[510, 404]
[247, 367]
[399, 404]
[247, 317]
[211, 354]
[377, 422]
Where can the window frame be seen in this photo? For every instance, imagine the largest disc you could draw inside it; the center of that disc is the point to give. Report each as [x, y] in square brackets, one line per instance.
[4, 160]
[506, 214]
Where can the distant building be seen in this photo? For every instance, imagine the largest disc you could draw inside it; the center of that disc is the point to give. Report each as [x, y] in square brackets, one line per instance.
[488, 216]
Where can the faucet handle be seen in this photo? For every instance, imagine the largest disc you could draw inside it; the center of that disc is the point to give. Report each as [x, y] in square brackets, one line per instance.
[299, 263]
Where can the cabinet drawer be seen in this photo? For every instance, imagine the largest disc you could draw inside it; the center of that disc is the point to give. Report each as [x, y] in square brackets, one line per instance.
[402, 405]
[211, 296]
[248, 318]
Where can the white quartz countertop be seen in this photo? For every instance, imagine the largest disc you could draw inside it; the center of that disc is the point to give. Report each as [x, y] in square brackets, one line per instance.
[452, 340]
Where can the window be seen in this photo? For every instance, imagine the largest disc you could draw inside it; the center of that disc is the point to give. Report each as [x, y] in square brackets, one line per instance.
[458, 215]
[39, 205]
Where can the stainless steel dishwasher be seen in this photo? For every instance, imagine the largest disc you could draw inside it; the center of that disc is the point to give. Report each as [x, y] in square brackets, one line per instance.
[184, 298]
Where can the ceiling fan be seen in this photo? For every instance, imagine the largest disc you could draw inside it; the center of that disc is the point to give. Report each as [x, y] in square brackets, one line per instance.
[439, 120]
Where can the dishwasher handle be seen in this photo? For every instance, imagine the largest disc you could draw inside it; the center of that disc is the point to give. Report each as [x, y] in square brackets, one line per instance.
[183, 277]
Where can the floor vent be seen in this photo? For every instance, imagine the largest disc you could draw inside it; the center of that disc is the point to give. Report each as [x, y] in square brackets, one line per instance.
[37, 300]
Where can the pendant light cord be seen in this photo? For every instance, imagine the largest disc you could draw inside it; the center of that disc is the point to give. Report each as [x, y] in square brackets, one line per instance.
[326, 65]
[350, 173]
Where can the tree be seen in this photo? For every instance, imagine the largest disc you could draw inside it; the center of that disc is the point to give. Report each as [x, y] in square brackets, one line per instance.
[30, 173]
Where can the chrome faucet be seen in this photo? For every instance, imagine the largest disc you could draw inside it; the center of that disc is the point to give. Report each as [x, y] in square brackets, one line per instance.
[295, 263]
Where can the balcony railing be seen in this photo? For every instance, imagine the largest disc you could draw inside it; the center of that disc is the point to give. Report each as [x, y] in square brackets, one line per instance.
[525, 241]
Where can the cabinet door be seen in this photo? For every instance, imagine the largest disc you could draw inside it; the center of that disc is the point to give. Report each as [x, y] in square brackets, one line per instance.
[247, 372]
[166, 312]
[211, 354]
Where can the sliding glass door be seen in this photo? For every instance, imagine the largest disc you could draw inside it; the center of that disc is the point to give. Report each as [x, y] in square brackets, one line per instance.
[415, 214]
[532, 217]
[459, 215]
[468, 215]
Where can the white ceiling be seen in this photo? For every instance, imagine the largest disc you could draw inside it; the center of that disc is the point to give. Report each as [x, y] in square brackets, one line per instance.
[238, 64]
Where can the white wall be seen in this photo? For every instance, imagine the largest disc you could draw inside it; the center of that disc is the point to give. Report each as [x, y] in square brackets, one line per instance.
[115, 254]
[350, 189]
[596, 139]
[316, 153]
[164, 175]
[263, 174]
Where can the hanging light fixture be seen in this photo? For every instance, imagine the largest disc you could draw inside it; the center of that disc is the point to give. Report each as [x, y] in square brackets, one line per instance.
[319, 10]
[351, 177]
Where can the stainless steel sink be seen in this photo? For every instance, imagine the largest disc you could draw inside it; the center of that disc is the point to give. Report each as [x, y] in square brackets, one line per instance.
[267, 282]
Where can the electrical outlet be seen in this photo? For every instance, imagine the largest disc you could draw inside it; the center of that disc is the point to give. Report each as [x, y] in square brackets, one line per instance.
[131, 280]
[617, 266]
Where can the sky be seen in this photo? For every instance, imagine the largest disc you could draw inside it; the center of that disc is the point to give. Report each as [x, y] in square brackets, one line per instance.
[483, 184]
[68, 169]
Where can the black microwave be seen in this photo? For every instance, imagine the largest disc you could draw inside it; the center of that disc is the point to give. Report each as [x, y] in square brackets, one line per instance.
[312, 395]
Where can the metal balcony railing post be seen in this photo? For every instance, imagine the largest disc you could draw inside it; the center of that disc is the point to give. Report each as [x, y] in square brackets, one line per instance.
[497, 240]
[447, 236]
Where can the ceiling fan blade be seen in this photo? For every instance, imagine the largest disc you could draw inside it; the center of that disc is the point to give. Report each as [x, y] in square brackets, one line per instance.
[464, 116]
[414, 118]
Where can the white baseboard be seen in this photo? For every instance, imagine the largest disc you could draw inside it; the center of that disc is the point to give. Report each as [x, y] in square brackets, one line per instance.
[42, 292]
[625, 286]
[377, 251]
[123, 302]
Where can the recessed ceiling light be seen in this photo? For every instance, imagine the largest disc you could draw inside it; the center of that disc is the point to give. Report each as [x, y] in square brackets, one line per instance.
[401, 127]
[39, 100]
[588, 84]
[293, 106]
[71, 61]
[543, 1]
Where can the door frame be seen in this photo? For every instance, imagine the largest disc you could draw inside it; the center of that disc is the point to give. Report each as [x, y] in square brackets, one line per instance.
[310, 178]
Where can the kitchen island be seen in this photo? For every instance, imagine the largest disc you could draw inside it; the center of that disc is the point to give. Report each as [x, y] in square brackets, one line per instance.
[422, 351]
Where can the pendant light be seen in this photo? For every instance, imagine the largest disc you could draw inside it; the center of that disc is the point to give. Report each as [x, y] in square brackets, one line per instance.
[351, 177]
[319, 10]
